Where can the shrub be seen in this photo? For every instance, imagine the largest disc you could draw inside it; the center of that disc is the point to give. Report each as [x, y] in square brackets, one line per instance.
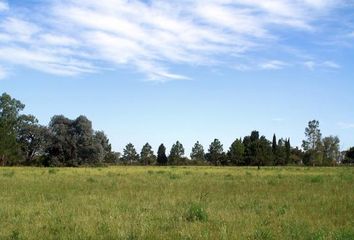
[196, 212]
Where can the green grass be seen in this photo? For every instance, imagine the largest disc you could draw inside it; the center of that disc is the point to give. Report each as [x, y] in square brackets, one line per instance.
[177, 203]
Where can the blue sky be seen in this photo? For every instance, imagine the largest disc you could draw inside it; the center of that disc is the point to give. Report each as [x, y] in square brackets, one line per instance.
[161, 71]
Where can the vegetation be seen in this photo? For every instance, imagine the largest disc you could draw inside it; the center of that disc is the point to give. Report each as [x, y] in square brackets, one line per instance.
[72, 142]
[177, 203]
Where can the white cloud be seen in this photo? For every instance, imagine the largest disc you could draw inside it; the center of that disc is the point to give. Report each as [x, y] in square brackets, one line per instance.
[3, 6]
[326, 64]
[310, 64]
[330, 64]
[344, 125]
[151, 36]
[273, 65]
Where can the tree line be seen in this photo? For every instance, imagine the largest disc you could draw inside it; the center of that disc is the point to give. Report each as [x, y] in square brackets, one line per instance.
[73, 142]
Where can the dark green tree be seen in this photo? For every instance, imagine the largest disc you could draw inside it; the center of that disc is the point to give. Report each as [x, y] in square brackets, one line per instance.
[236, 152]
[280, 153]
[147, 156]
[161, 155]
[129, 154]
[215, 153]
[349, 156]
[263, 152]
[73, 143]
[32, 138]
[274, 145]
[109, 157]
[197, 153]
[176, 154]
[10, 149]
[287, 147]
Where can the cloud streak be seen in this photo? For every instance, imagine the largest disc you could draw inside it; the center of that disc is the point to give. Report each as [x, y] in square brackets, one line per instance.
[83, 36]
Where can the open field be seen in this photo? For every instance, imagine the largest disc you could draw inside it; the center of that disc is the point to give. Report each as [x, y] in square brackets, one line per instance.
[177, 203]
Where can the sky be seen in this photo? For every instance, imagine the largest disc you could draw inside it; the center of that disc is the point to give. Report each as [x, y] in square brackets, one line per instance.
[189, 70]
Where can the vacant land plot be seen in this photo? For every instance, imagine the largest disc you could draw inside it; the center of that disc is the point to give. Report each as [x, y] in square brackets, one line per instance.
[177, 203]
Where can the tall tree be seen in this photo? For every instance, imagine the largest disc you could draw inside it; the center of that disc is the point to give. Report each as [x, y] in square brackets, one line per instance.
[176, 153]
[274, 145]
[331, 151]
[287, 151]
[32, 138]
[161, 155]
[147, 156]
[236, 152]
[73, 143]
[129, 154]
[197, 153]
[10, 150]
[313, 136]
[349, 156]
[313, 144]
[215, 152]
[280, 154]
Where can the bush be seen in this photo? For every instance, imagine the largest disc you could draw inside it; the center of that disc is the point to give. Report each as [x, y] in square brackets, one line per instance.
[196, 212]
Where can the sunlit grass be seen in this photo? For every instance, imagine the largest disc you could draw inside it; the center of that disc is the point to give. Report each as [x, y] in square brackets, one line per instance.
[177, 203]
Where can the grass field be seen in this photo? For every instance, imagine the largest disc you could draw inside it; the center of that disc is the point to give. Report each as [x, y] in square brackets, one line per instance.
[177, 203]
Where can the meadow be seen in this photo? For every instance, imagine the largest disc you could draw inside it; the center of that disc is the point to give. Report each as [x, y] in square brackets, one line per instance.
[177, 203]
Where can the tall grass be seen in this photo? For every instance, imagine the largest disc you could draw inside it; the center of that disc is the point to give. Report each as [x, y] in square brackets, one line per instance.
[177, 203]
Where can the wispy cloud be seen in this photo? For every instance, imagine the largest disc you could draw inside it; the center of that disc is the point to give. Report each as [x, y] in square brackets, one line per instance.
[273, 65]
[81, 36]
[325, 64]
[345, 125]
[3, 6]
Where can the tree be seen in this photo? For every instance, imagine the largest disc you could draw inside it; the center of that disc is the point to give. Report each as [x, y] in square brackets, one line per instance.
[313, 135]
[176, 153]
[197, 153]
[73, 143]
[331, 151]
[161, 155]
[263, 152]
[349, 156]
[147, 156]
[215, 152]
[62, 148]
[280, 153]
[287, 151]
[236, 152]
[10, 150]
[32, 138]
[313, 144]
[296, 156]
[109, 156]
[129, 154]
[274, 145]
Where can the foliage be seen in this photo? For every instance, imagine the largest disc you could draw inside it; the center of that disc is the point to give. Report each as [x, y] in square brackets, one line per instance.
[147, 156]
[161, 155]
[130, 155]
[349, 156]
[236, 153]
[197, 153]
[215, 153]
[73, 142]
[176, 154]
